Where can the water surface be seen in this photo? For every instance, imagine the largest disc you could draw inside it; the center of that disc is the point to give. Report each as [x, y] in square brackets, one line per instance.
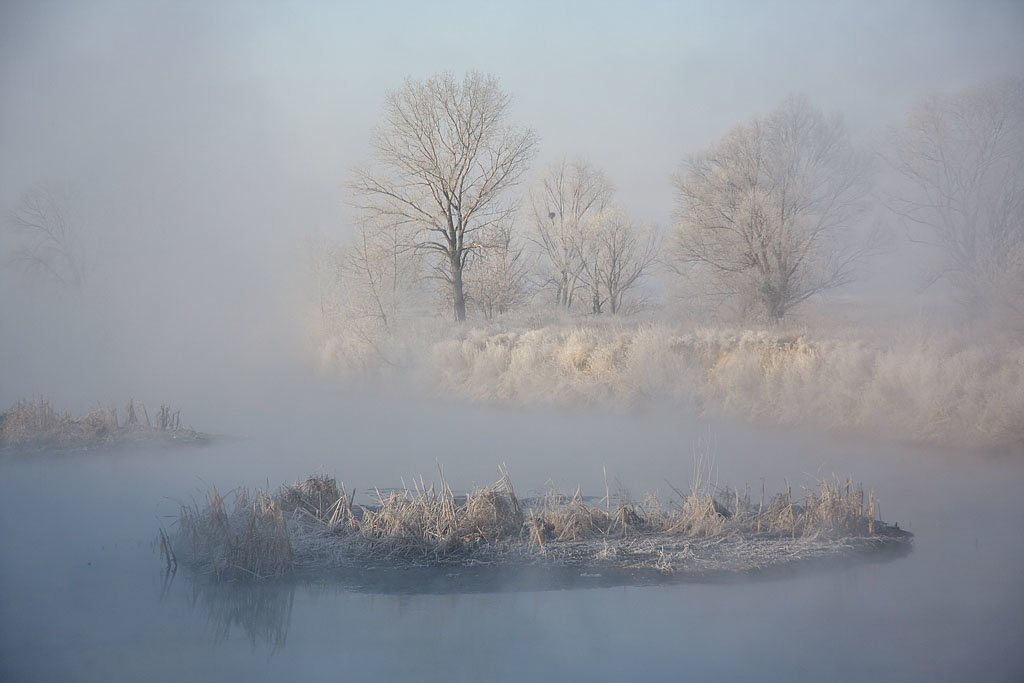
[83, 596]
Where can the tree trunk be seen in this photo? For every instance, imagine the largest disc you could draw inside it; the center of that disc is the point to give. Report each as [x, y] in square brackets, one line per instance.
[458, 295]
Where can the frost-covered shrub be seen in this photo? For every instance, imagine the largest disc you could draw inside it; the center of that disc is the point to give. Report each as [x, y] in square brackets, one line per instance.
[929, 388]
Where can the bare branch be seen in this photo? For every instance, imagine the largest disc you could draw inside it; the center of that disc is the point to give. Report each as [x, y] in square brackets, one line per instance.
[444, 160]
[963, 158]
[761, 215]
[565, 199]
[46, 243]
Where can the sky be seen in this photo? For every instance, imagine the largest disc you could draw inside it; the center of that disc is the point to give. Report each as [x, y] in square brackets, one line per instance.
[212, 89]
[202, 144]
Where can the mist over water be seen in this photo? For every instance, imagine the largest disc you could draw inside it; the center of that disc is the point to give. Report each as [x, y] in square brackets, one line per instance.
[202, 156]
[85, 598]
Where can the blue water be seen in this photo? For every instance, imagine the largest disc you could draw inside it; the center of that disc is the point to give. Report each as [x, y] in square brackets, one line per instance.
[83, 596]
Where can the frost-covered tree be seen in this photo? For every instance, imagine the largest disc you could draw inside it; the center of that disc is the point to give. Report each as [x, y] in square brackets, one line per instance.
[565, 198]
[964, 157]
[366, 288]
[445, 159]
[616, 255]
[45, 242]
[765, 216]
[499, 278]
[380, 276]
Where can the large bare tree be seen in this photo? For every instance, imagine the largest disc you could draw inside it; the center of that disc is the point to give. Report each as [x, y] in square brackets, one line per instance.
[565, 198]
[444, 160]
[764, 217]
[964, 157]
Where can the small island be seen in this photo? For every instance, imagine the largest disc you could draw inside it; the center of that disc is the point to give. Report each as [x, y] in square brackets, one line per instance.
[36, 426]
[313, 527]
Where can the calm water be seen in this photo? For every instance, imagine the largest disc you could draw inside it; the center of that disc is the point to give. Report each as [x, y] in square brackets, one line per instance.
[83, 598]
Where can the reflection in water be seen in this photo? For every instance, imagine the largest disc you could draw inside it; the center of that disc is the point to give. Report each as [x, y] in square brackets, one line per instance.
[79, 594]
[264, 610]
[167, 581]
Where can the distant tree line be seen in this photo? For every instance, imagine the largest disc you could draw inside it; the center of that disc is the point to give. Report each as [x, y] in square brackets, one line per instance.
[767, 217]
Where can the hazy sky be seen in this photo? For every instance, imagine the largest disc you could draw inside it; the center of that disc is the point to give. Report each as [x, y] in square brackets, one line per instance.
[202, 142]
[278, 98]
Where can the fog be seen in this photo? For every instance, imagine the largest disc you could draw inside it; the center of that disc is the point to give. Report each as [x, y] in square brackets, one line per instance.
[201, 147]
[202, 156]
[85, 597]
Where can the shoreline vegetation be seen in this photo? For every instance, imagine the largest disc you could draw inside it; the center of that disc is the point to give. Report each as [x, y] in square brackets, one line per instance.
[37, 426]
[942, 388]
[314, 527]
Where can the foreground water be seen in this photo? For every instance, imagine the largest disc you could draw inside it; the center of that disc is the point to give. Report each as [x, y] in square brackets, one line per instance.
[83, 595]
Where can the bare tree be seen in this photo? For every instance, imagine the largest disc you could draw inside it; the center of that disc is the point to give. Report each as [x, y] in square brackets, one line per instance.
[964, 157]
[324, 259]
[564, 199]
[366, 291]
[498, 280]
[615, 257]
[444, 160]
[47, 244]
[379, 275]
[765, 216]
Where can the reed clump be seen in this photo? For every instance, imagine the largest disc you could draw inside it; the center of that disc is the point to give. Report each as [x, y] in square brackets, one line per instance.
[247, 539]
[37, 425]
[315, 524]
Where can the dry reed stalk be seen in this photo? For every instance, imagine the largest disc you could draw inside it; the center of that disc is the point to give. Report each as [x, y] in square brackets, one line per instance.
[871, 514]
[760, 508]
[167, 551]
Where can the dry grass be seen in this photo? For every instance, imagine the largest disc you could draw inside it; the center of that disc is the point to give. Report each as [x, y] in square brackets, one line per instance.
[248, 539]
[429, 523]
[314, 524]
[37, 425]
[949, 388]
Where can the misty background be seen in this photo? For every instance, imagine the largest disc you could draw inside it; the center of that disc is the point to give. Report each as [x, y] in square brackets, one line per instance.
[200, 147]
